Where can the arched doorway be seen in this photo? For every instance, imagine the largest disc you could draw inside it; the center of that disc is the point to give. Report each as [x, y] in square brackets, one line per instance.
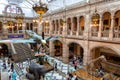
[4, 50]
[58, 47]
[75, 50]
[109, 54]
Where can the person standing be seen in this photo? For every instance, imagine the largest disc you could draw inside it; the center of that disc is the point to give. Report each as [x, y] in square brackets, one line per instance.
[14, 75]
[4, 64]
[75, 64]
[56, 66]
[12, 66]
[74, 77]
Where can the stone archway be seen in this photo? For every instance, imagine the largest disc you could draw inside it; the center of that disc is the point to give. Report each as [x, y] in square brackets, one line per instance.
[58, 48]
[75, 50]
[106, 21]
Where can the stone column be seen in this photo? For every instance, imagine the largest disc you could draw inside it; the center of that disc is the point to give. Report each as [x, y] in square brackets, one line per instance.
[24, 25]
[111, 27]
[86, 55]
[78, 25]
[64, 32]
[39, 27]
[51, 48]
[87, 26]
[72, 25]
[100, 27]
[87, 31]
[59, 29]
[65, 54]
[50, 27]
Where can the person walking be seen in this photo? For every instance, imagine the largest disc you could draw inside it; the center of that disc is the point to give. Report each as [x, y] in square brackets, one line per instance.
[56, 66]
[12, 67]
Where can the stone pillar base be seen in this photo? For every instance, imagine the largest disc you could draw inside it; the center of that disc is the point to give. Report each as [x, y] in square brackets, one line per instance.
[52, 54]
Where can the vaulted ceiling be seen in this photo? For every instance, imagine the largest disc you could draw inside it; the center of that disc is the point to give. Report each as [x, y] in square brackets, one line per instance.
[26, 5]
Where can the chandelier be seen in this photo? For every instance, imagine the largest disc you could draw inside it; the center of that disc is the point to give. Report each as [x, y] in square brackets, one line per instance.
[40, 9]
[95, 18]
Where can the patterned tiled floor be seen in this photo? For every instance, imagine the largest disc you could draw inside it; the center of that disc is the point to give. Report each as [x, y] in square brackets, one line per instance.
[52, 75]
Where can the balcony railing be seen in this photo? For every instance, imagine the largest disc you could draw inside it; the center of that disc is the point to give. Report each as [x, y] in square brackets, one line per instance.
[60, 32]
[94, 34]
[105, 33]
[74, 32]
[68, 32]
[116, 34]
[80, 33]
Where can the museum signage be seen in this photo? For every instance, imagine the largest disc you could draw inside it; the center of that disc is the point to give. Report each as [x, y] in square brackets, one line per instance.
[16, 36]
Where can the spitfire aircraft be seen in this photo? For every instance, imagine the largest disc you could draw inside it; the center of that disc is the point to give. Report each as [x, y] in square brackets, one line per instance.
[40, 39]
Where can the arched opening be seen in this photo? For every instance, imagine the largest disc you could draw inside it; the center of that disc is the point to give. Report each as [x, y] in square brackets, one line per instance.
[4, 50]
[117, 19]
[106, 21]
[109, 54]
[75, 50]
[53, 24]
[31, 26]
[61, 24]
[46, 25]
[27, 26]
[95, 22]
[58, 48]
[106, 24]
[82, 22]
[69, 24]
[57, 25]
[74, 24]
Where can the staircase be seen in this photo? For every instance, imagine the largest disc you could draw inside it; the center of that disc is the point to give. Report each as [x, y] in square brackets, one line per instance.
[23, 52]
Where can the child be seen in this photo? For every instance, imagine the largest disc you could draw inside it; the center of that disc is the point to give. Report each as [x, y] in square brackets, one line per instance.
[14, 75]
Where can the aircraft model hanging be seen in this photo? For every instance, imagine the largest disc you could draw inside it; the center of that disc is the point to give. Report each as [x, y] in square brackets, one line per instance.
[40, 39]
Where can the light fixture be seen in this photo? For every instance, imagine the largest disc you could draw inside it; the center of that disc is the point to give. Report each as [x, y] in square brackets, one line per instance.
[10, 24]
[95, 19]
[40, 9]
[19, 19]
